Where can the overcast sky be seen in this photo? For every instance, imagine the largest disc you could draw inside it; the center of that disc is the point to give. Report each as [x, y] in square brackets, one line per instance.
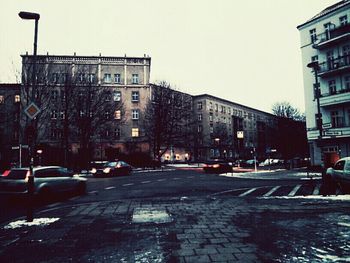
[244, 51]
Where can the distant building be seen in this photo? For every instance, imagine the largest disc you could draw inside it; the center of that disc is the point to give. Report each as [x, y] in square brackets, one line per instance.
[230, 130]
[325, 41]
[9, 123]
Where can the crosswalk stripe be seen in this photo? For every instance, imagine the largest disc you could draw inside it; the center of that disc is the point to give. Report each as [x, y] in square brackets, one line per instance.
[272, 191]
[110, 187]
[247, 192]
[316, 190]
[295, 190]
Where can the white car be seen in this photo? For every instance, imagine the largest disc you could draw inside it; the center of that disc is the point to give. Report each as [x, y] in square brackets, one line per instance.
[340, 173]
[48, 180]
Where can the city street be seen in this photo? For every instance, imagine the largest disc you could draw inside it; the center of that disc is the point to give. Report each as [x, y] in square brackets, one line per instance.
[184, 215]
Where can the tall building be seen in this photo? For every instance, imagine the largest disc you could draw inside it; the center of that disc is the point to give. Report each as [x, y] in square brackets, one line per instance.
[230, 130]
[325, 48]
[9, 123]
[89, 102]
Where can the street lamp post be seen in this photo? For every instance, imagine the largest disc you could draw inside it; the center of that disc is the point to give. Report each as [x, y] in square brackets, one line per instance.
[316, 67]
[30, 184]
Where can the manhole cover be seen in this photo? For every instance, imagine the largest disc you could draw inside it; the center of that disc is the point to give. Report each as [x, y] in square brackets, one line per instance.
[142, 215]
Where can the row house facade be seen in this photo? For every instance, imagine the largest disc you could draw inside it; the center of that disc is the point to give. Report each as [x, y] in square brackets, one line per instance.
[325, 49]
[230, 130]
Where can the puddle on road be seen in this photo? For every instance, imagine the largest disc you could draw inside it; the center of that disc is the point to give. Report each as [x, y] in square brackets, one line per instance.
[149, 215]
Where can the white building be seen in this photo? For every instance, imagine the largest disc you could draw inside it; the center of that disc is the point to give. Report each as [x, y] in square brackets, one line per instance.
[325, 40]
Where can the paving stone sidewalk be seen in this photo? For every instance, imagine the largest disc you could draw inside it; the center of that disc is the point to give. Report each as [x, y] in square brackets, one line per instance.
[194, 230]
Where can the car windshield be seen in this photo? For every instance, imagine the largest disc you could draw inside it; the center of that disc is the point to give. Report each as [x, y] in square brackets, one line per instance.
[17, 174]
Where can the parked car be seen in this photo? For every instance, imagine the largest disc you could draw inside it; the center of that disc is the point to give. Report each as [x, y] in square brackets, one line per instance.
[218, 166]
[48, 180]
[114, 168]
[249, 163]
[339, 174]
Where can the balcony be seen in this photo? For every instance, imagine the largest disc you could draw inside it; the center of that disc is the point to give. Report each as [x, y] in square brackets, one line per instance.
[339, 97]
[334, 66]
[332, 37]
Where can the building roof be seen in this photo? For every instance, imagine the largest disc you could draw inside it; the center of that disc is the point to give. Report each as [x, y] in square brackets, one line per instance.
[326, 11]
[234, 103]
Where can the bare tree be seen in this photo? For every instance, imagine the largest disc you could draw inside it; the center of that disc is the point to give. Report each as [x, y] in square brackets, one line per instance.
[285, 109]
[168, 119]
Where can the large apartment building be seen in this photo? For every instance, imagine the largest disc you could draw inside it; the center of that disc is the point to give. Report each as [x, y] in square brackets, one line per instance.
[325, 48]
[230, 130]
[85, 90]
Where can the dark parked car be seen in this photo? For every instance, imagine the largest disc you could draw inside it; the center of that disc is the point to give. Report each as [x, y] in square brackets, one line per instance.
[47, 180]
[115, 168]
[339, 174]
[218, 166]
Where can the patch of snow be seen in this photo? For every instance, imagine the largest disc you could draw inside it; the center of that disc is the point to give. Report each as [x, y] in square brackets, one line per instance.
[36, 222]
[142, 215]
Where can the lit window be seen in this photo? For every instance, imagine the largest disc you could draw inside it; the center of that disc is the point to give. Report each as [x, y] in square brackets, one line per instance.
[2, 99]
[107, 78]
[135, 78]
[211, 129]
[117, 96]
[216, 107]
[135, 114]
[134, 96]
[135, 132]
[117, 115]
[17, 98]
[62, 115]
[117, 78]
[211, 117]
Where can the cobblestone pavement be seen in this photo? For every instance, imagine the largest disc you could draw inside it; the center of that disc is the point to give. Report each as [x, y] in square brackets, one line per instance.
[221, 229]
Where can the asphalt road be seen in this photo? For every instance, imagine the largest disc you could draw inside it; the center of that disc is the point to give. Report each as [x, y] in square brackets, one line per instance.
[175, 183]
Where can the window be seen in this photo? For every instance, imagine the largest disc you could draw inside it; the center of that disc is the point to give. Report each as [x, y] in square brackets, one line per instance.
[134, 96]
[117, 133]
[346, 54]
[55, 77]
[336, 119]
[339, 165]
[135, 114]
[135, 132]
[106, 133]
[330, 59]
[211, 129]
[347, 82]
[117, 78]
[17, 98]
[200, 128]
[64, 77]
[332, 87]
[199, 105]
[343, 20]
[216, 107]
[54, 95]
[211, 106]
[107, 114]
[327, 28]
[107, 78]
[199, 116]
[135, 78]
[81, 77]
[54, 114]
[62, 115]
[117, 96]
[313, 36]
[314, 58]
[117, 115]
[2, 99]
[91, 78]
[211, 117]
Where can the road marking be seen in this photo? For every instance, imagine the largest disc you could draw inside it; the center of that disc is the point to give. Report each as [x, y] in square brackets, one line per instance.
[109, 188]
[93, 192]
[272, 191]
[161, 180]
[176, 178]
[316, 190]
[145, 182]
[127, 184]
[295, 190]
[247, 192]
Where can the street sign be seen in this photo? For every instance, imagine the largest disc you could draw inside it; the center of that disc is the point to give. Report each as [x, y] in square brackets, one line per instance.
[327, 125]
[332, 133]
[32, 110]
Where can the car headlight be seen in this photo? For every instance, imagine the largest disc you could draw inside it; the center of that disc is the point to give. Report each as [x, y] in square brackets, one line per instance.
[107, 170]
[216, 165]
[93, 170]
